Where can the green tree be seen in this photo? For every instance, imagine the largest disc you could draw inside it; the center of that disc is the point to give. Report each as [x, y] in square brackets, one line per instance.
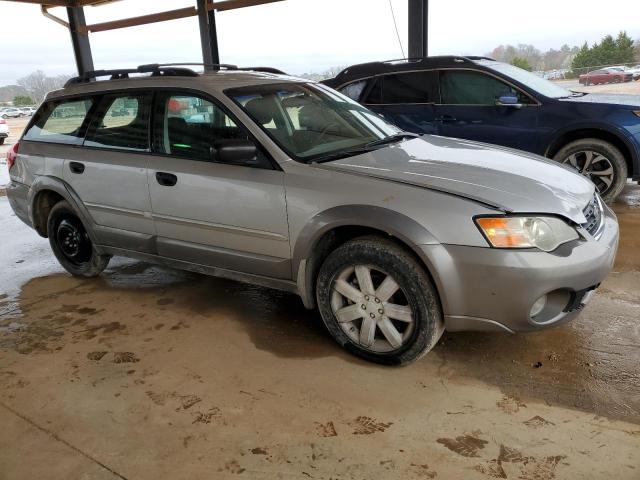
[609, 51]
[522, 63]
[22, 101]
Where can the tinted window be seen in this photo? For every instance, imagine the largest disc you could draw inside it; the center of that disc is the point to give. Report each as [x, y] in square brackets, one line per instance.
[472, 88]
[60, 122]
[193, 127]
[415, 87]
[354, 90]
[374, 95]
[120, 121]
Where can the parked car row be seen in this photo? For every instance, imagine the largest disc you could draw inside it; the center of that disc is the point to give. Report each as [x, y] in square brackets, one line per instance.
[477, 98]
[605, 75]
[15, 112]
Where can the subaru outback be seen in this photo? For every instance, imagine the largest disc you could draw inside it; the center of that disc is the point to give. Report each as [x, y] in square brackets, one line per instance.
[286, 183]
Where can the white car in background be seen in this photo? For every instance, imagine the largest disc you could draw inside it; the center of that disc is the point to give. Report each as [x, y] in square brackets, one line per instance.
[4, 130]
[28, 111]
[635, 71]
[10, 112]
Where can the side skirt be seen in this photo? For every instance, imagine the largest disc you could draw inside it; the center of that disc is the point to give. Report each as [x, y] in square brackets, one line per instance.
[275, 283]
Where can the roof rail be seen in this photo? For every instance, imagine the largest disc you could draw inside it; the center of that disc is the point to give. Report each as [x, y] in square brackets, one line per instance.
[163, 69]
[228, 66]
[154, 69]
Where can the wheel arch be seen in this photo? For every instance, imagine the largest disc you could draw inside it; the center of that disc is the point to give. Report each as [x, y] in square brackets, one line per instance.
[47, 191]
[598, 132]
[331, 228]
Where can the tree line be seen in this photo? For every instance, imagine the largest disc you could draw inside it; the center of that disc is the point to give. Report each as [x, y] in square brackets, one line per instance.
[609, 51]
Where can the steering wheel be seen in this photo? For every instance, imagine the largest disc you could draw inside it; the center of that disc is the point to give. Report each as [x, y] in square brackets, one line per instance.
[325, 130]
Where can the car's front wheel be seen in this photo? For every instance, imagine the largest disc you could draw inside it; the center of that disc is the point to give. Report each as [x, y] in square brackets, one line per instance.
[1, 140]
[378, 302]
[598, 160]
[71, 244]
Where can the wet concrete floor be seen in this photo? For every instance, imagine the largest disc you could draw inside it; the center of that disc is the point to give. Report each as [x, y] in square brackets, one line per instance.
[152, 373]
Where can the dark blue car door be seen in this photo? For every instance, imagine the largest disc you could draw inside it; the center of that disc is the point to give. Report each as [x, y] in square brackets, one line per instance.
[469, 108]
[405, 99]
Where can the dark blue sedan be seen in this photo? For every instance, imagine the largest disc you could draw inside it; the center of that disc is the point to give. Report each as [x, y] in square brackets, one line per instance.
[477, 98]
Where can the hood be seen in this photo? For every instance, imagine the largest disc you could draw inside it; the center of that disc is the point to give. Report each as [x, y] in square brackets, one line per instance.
[611, 99]
[502, 178]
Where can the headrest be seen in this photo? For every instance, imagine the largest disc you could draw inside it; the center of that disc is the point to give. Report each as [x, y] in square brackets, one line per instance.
[263, 109]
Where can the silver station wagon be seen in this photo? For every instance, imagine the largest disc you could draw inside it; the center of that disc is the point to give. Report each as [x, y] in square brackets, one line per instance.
[282, 182]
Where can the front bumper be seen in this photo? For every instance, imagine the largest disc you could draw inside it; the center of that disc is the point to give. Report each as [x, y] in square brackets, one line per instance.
[489, 289]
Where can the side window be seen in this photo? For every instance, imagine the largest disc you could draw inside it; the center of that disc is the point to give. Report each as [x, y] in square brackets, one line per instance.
[60, 122]
[121, 122]
[472, 88]
[354, 90]
[414, 87]
[192, 127]
[374, 95]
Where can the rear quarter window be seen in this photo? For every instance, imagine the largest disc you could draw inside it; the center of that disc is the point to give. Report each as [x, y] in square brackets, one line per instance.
[60, 122]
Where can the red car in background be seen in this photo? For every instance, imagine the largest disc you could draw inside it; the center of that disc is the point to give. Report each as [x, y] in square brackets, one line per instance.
[605, 76]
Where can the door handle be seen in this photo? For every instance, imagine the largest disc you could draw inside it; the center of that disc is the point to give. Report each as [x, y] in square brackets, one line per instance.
[166, 179]
[446, 119]
[76, 167]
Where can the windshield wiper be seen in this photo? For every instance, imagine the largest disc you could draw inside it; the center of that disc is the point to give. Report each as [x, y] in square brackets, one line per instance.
[366, 148]
[341, 154]
[392, 139]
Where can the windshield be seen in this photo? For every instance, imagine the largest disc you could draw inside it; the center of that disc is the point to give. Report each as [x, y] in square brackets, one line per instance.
[528, 79]
[310, 121]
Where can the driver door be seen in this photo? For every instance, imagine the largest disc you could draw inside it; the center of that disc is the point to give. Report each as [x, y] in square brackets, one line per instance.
[468, 109]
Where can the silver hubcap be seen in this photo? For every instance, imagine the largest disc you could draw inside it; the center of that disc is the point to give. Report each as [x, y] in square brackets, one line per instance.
[372, 309]
[595, 166]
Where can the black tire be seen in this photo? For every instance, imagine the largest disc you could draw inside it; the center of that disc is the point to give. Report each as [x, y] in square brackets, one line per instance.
[71, 244]
[416, 290]
[1, 140]
[607, 150]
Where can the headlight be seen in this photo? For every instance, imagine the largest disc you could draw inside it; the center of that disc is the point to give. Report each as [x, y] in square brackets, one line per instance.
[545, 233]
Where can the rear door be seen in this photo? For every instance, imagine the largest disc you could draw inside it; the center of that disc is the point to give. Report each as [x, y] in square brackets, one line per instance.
[406, 99]
[468, 109]
[212, 213]
[109, 174]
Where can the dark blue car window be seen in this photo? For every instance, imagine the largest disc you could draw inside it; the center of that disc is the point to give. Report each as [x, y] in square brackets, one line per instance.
[473, 88]
[412, 87]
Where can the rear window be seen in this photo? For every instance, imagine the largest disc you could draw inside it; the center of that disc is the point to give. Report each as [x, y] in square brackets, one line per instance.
[414, 87]
[60, 122]
[121, 121]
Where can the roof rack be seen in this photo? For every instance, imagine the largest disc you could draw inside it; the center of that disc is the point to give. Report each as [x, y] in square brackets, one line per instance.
[163, 69]
[225, 66]
[116, 74]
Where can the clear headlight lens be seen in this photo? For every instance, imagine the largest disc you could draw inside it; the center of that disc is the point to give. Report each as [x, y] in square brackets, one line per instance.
[545, 233]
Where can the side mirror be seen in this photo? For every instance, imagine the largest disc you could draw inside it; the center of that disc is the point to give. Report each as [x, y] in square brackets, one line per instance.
[239, 152]
[508, 101]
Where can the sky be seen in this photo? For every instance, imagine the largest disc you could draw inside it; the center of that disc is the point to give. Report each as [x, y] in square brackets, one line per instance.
[301, 36]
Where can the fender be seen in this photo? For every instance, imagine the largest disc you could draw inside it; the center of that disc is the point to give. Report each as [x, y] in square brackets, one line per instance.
[62, 188]
[619, 133]
[397, 225]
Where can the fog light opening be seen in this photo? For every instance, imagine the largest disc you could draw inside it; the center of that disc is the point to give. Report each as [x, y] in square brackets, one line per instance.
[538, 306]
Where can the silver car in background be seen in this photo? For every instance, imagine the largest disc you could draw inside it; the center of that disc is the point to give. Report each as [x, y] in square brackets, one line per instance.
[282, 182]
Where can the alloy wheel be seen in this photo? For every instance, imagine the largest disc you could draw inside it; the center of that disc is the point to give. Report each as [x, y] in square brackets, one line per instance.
[595, 166]
[372, 309]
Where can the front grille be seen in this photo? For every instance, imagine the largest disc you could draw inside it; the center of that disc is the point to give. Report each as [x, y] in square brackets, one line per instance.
[594, 215]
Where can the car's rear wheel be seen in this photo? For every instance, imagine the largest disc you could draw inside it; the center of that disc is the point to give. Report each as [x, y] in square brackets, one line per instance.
[378, 302]
[617, 80]
[1, 140]
[71, 244]
[598, 160]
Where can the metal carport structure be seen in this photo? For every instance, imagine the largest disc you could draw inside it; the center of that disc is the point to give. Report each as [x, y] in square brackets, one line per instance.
[206, 12]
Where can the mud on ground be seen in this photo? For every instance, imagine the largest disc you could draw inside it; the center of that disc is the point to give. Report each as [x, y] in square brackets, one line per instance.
[147, 372]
